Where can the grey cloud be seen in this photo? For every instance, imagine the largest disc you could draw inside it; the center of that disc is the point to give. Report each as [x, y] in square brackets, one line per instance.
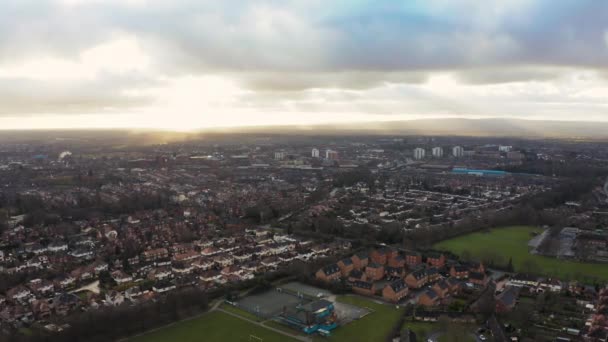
[18, 96]
[297, 81]
[506, 74]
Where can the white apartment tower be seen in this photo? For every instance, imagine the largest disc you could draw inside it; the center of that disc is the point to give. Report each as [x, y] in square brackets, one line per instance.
[458, 151]
[315, 153]
[419, 153]
[437, 152]
[280, 155]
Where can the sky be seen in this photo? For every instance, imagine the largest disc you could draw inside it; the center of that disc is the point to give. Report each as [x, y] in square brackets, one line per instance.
[190, 64]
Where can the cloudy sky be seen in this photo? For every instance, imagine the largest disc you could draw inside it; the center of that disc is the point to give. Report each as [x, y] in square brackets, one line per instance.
[185, 64]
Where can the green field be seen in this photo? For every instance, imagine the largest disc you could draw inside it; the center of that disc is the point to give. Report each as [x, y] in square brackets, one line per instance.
[372, 327]
[421, 329]
[240, 312]
[500, 244]
[212, 327]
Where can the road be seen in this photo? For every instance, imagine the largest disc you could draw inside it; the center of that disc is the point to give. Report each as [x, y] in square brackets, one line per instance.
[93, 287]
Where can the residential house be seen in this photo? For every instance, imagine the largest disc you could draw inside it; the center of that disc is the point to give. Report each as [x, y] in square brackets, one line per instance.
[428, 298]
[360, 260]
[522, 279]
[202, 264]
[476, 267]
[479, 279]
[433, 274]
[329, 273]
[416, 279]
[356, 275]
[270, 262]
[436, 259]
[18, 293]
[155, 254]
[378, 256]
[454, 284]
[57, 246]
[395, 272]
[65, 303]
[210, 276]
[507, 299]
[413, 259]
[364, 288]
[346, 266]
[459, 272]
[223, 260]
[64, 281]
[396, 261]
[41, 287]
[395, 291]
[121, 277]
[442, 289]
[551, 284]
[374, 271]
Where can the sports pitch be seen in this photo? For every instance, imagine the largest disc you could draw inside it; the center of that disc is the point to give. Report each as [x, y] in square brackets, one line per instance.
[212, 327]
[500, 244]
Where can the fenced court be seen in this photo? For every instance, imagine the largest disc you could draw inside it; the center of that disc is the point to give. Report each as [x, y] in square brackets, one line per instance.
[347, 312]
[304, 290]
[270, 303]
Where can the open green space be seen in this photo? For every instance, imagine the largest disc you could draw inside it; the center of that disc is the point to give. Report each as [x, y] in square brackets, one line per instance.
[424, 330]
[373, 327]
[421, 329]
[284, 327]
[500, 244]
[240, 312]
[212, 327]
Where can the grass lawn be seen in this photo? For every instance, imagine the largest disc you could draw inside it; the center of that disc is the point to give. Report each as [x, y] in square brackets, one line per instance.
[421, 329]
[500, 244]
[283, 327]
[372, 327]
[240, 312]
[424, 329]
[212, 327]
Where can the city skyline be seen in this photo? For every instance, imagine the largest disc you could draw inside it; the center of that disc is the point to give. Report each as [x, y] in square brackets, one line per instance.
[185, 65]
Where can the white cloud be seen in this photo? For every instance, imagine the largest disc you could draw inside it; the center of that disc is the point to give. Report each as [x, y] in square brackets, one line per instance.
[116, 56]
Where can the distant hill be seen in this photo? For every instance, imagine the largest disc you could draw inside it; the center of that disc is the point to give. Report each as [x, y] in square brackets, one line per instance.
[451, 126]
[448, 127]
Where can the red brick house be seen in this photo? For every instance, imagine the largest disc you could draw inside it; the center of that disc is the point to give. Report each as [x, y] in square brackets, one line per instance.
[477, 267]
[374, 271]
[433, 274]
[416, 279]
[379, 256]
[329, 273]
[395, 291]
[459, 272]
[436, 259]
[428, 298]
[413, 259]
[454, 284]
[360, 260]
[396, 261]
[155, 254]
[391, 253]
[346, 266]
[479, 279]
[356, 275]
[442, 289]
[394, 272]
[364, 288]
